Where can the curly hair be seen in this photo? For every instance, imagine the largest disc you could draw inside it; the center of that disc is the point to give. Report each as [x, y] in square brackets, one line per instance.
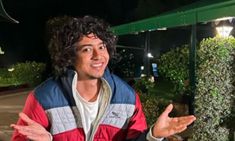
[69, 31]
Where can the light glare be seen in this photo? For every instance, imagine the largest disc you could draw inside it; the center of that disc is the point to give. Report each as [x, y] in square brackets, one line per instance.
[224, 31]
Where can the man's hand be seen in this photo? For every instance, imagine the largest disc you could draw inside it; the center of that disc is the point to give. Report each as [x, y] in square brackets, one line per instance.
[32, 130]
[166, 126]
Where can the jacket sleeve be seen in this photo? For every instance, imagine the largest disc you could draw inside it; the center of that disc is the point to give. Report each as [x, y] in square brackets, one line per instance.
[35, 111]
[137, 128]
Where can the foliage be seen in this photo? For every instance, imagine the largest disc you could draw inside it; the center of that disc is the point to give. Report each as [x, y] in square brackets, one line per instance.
[215, 89]
[22, 73]
[214, 99]
[143, 84]
[124, 64]
[153, 106]
[5, 78]
[174, 66]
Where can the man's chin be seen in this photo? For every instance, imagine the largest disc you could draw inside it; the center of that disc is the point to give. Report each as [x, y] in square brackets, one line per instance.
[96, 76]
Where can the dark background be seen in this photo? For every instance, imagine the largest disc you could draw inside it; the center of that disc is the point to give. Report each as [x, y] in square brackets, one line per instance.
[26, 40]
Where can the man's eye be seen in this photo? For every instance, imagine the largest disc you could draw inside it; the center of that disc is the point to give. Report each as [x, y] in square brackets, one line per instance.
[102, 47]
[87, 50]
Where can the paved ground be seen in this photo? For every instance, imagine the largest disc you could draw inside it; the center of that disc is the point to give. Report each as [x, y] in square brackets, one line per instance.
[10, 105]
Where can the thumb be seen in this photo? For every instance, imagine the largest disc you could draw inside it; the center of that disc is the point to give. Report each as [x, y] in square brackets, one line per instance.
[167, 110]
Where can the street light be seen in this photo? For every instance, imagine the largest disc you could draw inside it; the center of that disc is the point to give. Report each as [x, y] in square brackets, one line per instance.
[224, 27]
[150, 55]
[224, 31]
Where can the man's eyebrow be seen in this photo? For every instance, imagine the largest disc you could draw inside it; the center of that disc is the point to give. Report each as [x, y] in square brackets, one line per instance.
[84, 45]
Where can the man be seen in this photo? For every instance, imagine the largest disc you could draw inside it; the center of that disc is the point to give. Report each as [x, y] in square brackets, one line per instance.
[86, 102]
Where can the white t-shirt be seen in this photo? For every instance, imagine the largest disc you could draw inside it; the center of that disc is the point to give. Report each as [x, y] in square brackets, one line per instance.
[88, 110]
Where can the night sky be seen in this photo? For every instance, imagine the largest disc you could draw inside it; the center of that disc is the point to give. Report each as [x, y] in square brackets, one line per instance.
[26, 40]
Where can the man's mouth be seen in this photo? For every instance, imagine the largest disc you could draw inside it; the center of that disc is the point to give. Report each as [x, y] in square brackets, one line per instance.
[97, 65]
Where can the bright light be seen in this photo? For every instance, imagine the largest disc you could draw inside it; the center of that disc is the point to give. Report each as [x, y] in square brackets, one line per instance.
[151, 79]
[162, 29]
[11, 69]
[224, 18]
[142, 67]
[143, 75]
[150, 55]
[224, 31]
[1, 51]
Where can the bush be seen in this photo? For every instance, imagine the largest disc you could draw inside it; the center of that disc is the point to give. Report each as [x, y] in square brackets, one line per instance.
[23, 73]
[143, 84]
[5, 78]
[174, 66]
[215, 90]
[153, 107]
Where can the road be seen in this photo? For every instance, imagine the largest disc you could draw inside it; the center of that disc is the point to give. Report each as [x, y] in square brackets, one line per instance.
[10, 106]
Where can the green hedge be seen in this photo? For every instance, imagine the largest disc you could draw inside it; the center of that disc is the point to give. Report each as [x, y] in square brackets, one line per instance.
[144, 84]
[153, 106]
[215, 90]
[174, 66]
[5, 78]
[29, 73]
[214, 99]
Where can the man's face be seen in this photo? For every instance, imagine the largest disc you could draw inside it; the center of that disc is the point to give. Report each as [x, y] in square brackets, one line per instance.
[92, 58]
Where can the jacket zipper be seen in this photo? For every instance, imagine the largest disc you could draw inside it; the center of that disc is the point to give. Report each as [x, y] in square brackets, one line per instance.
[107, 97]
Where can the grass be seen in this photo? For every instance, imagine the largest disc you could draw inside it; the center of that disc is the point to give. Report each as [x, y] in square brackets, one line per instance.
[5, 85]
[163, 89]
[5, 82]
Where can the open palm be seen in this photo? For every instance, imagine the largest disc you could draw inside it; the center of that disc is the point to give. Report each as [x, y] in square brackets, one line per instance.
[166, 126]
[33, 130]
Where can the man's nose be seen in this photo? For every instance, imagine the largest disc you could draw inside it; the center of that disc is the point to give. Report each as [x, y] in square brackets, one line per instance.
[96, 54]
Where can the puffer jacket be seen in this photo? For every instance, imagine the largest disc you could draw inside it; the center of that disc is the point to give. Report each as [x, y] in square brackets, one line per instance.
[52, 105]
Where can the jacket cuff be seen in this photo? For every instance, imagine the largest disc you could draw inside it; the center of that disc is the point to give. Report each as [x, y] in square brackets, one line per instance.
[150, 136]
[51, 138]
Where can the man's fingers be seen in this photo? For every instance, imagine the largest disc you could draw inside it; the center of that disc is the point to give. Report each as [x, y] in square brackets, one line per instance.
[190, 117]
[25, 118]
[31, 129]
[21, 128]
[187, 119]
[31, 132]
[12, 125]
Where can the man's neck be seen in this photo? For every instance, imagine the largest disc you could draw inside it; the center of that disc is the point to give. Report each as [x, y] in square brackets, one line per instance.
[89, 89]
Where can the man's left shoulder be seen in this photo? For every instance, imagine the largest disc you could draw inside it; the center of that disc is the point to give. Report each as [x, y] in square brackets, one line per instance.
[122, 92]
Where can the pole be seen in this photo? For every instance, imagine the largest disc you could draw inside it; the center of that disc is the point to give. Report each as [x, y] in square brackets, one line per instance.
[192, 68]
